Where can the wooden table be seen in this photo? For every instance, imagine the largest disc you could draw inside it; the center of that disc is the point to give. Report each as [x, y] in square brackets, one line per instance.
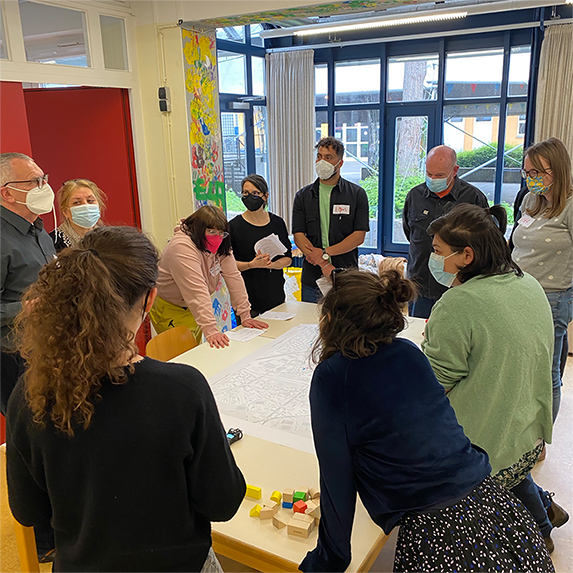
[272, 466]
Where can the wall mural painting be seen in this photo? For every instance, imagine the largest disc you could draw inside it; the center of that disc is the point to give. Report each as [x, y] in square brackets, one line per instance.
[204, 129]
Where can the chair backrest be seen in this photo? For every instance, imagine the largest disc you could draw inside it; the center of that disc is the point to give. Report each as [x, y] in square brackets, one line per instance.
[171, 343]
[18, 541]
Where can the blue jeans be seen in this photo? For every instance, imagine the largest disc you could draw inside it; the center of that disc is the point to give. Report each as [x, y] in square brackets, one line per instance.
[421, 307]
[536, 500]
[561, 303]
[310, 294]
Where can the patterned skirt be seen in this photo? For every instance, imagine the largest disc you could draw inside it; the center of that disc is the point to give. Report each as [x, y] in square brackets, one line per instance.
[488, 530]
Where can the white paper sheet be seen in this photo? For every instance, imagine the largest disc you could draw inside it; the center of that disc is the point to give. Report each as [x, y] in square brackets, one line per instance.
[324, 285]
[244, 334]
[274, 315]
[270, 245]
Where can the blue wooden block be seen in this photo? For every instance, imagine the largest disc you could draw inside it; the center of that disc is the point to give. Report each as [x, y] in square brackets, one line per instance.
[287, 505]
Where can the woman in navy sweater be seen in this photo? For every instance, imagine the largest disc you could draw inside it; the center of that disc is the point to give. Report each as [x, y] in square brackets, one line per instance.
[383, 428]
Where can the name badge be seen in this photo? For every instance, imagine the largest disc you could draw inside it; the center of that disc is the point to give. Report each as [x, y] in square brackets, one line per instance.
[341, 209]
[525, 221]
[215, 269]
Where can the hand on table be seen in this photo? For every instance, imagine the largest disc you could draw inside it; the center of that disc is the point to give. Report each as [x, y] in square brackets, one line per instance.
[219, 340]
[253, 323]
[261, 261]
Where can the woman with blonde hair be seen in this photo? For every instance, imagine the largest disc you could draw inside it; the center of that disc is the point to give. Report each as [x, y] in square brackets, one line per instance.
[81, 203]
[543, 238]
[125, 455]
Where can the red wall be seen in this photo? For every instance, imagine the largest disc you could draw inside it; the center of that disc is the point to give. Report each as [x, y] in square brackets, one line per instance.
[13, 120]
[86, 133]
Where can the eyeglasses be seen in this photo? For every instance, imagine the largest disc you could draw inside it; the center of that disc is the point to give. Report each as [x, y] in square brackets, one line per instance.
[532, 173]
[39, 181]
[216, 233]
[253, 193]
[334, 274]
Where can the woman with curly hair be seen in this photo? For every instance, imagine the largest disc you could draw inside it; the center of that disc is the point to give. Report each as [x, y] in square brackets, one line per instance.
[126, 455]
[383, 428]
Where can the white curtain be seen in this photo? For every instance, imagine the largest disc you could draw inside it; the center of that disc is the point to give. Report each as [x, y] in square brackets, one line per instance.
[290, 113]
[554, 110]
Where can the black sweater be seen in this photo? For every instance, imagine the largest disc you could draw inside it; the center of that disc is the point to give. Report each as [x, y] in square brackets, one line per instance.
[138, 489]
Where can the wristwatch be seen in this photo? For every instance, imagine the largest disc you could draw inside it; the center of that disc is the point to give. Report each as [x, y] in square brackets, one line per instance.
[325, 255]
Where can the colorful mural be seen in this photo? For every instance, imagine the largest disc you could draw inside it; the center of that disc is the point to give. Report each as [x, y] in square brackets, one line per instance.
[203, 114]
[331, 9]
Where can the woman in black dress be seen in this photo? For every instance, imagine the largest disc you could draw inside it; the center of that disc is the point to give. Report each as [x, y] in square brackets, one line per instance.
[262, 274]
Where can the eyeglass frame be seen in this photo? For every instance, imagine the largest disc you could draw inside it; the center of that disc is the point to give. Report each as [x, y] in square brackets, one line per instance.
[333, 274]
[525, 174]
[216, 233]
[255, 193]
[40, 181]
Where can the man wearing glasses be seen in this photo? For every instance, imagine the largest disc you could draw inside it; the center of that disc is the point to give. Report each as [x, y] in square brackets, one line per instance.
[424, 203]
[25, 247]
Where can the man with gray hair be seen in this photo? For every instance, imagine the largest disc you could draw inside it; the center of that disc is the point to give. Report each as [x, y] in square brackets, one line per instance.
[424, 203]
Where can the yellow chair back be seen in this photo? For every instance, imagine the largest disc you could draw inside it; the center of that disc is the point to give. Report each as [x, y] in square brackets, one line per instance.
[170, 343]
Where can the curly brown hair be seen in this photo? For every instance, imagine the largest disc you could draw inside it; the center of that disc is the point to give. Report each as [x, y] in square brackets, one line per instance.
[73, 331]
[362, 312]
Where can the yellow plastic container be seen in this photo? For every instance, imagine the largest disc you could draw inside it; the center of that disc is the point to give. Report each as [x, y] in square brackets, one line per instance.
[295, 272]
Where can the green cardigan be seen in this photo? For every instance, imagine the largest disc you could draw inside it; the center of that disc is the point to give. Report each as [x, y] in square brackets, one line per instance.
[490, 343]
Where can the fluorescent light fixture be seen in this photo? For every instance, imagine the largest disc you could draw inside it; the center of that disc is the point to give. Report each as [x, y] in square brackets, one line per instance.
[365, 25]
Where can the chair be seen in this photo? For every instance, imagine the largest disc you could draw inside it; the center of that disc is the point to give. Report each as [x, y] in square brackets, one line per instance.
[13, 531]
[171, 343]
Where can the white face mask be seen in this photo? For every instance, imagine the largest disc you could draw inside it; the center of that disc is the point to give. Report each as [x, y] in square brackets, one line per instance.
[324, 169]
[39, 200]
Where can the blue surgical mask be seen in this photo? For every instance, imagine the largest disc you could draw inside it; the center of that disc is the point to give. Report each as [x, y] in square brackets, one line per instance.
[85, 216]
[535, 185]
[436, 266]
[436, 185]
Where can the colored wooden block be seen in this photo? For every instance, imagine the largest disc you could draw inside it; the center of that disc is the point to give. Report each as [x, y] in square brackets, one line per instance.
[303, 517]
[287, 505]
[298, 528]
[299, 507]
[276, 496]
[280, 520]
[255, 511]
[299, 496]
[270, 508]
[288, 495]
[313, 493]
[254, 492]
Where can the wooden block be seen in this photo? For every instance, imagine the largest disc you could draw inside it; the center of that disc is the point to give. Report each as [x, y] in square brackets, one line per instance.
[287, 505]
[299, 507]
[315, 512]
[313, 493]
[298, 528]
[254, 492]
[255, 511]
[310, 506]
[270, 508]
[280, 520]
[276, 496]
[288, 495]
[303, 517]
[299, 496]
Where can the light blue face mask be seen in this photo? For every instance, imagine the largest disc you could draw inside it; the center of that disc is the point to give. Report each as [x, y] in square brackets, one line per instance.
[437, 185]
[436, 266]
[85, 216]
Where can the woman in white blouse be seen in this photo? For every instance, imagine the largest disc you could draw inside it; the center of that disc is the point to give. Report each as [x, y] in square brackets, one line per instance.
[544, 237]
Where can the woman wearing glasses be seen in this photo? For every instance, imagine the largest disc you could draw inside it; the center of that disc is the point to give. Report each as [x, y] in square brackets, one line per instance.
[81, 203]
[262, 274]
[384, 428]
[189, 271]
[544, 237]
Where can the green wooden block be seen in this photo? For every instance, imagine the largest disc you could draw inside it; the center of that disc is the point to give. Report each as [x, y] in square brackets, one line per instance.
[299, 496]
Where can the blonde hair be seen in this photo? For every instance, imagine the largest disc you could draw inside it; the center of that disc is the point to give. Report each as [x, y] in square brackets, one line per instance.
[555, 153]
[67, 189]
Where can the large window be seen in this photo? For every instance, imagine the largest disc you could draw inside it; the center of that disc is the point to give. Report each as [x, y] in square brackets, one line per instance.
[241, 67]
[391, 103]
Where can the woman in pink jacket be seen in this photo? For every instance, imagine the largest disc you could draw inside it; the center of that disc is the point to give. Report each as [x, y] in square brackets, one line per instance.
[189, 271]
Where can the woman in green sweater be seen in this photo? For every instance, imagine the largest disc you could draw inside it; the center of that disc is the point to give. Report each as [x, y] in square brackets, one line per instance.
[490, 343]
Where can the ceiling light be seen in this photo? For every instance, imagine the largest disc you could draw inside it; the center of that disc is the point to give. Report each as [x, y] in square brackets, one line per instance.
[382, 23]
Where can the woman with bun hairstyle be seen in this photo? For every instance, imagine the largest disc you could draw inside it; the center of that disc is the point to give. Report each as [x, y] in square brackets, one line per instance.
[263, 276]
[81, 203]
[125, 455]
[543, 238]
[189, 271]
[489, 340]
[383, 428]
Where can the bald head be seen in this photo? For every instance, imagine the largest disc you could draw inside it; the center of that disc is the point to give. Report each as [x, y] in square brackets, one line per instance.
[441, 163]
